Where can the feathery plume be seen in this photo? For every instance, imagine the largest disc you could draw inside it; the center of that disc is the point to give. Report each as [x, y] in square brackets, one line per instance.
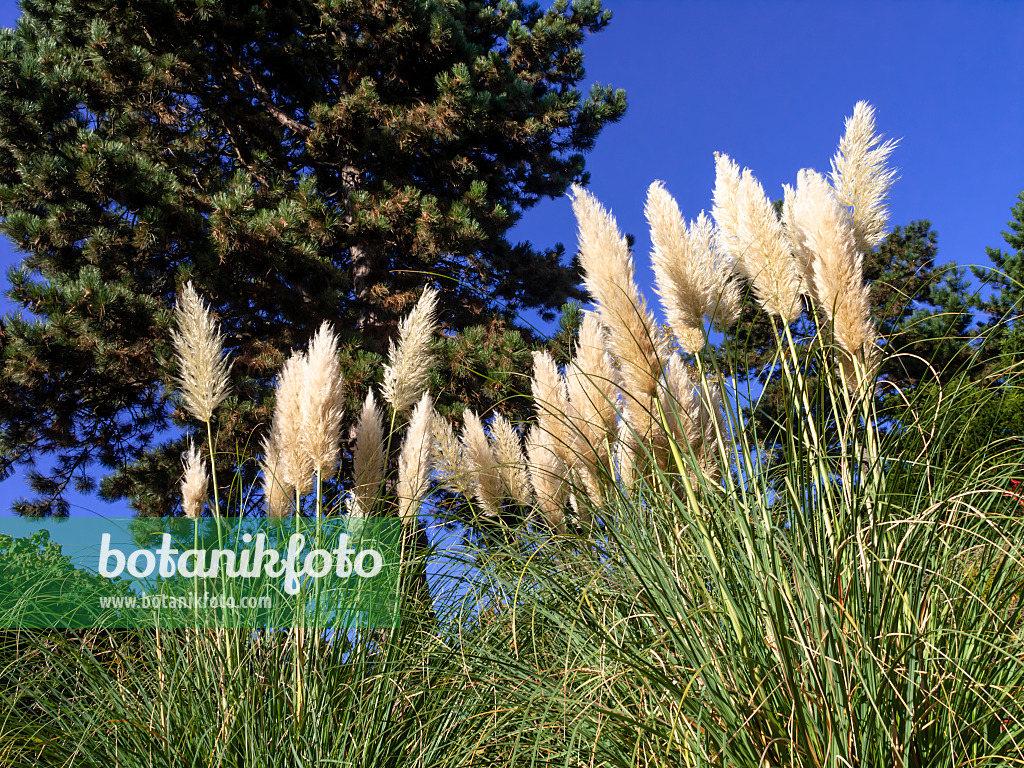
[414, 460]
[551, 403]
[635, 342]
[690, 281]
[368, 457]
[277, 496]
[752, 236]
[861, 177]
[592, 412]
[511, 462]
[448, 459]
[296, 465]
[820, 229]
[198, 346]
[482, 465]
[322, 403]
[548, 477]
[408, 369]
[195, 482]
[592, 392]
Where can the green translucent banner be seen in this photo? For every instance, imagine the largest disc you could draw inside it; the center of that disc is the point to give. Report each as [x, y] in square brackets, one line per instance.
[338, 572]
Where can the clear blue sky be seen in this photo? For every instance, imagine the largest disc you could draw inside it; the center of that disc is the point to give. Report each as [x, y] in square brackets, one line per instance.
[770, 84]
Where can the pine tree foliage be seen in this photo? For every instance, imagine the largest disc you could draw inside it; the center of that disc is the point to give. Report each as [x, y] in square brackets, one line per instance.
[1005, 305]
[296, 161]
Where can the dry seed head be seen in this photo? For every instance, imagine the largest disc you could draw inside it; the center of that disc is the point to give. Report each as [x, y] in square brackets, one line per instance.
[408, 369]
[277, 496]
[862, 178]
[198, 346]
[195, 483]
[551, 403]
[448, 458]
[414, 460]
[548, 477]
[635, 342]
[819, 226]
[368, 457]
[322, 403]
[286, 429]
[592, 412]
[715, 430]
[691, 282]
[510, 460]
[751, 235]
[482, 465]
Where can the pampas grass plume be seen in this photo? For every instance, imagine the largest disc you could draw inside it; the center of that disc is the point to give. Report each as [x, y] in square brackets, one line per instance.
[195, 483]
[296, 466]
[861, 177]
[690, 281]
[753, 237]
[414, 460]
[634, 340]
[277, 496]
[368, 457]
[548, 477]
[511, 462]
[821, 230]
[322, 402]
[408, 369]
[198, 346]
[481, 464]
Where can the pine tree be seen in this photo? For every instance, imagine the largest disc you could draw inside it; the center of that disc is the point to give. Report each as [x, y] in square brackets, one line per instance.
[298, 161]
[1005, 304]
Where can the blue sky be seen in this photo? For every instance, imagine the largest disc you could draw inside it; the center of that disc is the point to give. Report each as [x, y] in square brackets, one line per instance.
[770, 84]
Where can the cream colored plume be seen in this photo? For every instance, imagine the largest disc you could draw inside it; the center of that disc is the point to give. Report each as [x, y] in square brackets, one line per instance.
[511, 463]
[820, 229]
[195, 483]
[198, 346]
[296, 465]
[551, 403]
[277, 495]
[751, 235]
[482, 465]
[368, 457]
[548, 476]
[592, 393]
[691, 278]
[634, 339]
[408, 369]
[322, 403]
[861, 177]
[448, 458]
[414, 461]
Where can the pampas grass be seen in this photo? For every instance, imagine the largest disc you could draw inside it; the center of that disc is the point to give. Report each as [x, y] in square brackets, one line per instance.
[414, 461]
[198, 345]
[824, 236]
[321, 405]
[195, 483]
[408, 368]
[751, 235]
[482, 465]
[861, 177]
[692, 279]
[368, 457]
